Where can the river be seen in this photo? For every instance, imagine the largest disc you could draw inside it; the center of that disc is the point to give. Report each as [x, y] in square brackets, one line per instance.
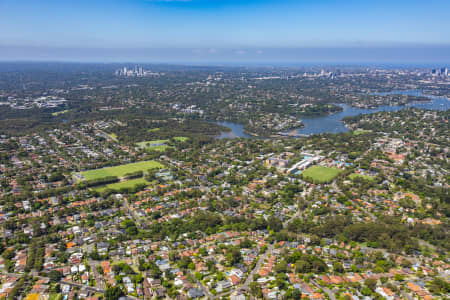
[333, 123]
[237, 131]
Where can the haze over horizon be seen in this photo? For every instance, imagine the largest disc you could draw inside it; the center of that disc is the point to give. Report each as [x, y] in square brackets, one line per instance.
[204, 31]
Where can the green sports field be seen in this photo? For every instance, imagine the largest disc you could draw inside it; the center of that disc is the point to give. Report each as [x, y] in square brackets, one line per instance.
[153, 130]
[361, 131]
[121, 170]
[124, 184]
[180, 138]
[57, 113]
[321, 174]
[355, 175]
[157, 145]
[159, 148]
[151, 143]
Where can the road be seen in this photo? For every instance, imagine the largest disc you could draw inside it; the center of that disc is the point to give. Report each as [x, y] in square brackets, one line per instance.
[426, 244]
[89, 288]
[406, 295]
[106, 136]
[326, 290]
[264, 256]
[257, 267]
[98, 279]
[73, 284]
[204, 289]
[297, 214]
[132, 212]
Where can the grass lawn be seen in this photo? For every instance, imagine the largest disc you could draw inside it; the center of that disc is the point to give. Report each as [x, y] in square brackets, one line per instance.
[124, 184]
[57, 113]
[151, 143]
[361, 131]
[135, 268]
[153, 130]
[157, 145]
[157, 148]
[121, 170]
[321, 174]
[180, 138]
[355, 175]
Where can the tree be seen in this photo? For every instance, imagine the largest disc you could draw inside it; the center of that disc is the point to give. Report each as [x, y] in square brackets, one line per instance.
[233, 256]
[293, 294]
[139, 278]
[406, 263]
[132, 230]
[184, 262]
[280, 280]
[55, 275]
[113, 293]
[366, 291]
[198, 275]
[275, 224]
[398, 277]
[100, 270]
[203, 252]
[255, 289]
[439, 286]
[8, 254]
[371, 284]
[211, 265]
[281, 267]
[319, 266]
[130, 227]
[337, 267]
[191, 266]
[302, 266]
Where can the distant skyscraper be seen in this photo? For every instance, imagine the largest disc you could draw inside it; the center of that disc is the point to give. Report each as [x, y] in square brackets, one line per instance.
[136, 71]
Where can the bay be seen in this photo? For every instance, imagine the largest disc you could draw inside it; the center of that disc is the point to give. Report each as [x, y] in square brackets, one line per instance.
[333, 123]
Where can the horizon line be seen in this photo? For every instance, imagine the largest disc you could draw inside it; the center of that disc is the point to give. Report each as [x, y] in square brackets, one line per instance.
[267, 63]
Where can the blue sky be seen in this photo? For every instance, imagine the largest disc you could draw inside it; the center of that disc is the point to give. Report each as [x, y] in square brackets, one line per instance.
[222, 29]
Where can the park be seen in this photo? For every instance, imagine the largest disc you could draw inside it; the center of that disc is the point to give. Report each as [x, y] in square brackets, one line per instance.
[320, 174]
[120, 171]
